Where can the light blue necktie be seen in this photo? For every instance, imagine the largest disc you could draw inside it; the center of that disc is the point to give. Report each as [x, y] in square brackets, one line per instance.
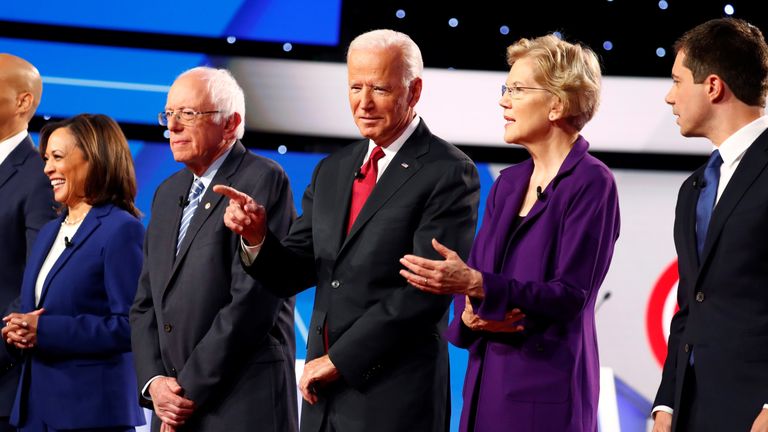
[706, 203]
[192, 201]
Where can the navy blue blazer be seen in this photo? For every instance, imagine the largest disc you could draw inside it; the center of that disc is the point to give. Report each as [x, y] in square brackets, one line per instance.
[80, 374]
[26, 204]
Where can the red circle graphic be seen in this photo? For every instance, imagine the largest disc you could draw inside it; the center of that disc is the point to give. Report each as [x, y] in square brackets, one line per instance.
[654, 317]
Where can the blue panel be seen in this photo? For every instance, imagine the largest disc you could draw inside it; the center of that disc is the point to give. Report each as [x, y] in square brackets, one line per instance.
[125, 83]
[302, 21]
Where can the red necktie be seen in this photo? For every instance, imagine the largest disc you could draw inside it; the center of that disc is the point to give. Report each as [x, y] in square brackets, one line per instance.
[363, 185]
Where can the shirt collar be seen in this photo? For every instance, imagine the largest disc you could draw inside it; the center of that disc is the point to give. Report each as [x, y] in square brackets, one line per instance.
[392, 149]
[8, 145]
[210, 173]
[734, 147]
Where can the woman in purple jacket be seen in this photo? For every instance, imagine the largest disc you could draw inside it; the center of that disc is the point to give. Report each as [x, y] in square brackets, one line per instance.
[525, 301]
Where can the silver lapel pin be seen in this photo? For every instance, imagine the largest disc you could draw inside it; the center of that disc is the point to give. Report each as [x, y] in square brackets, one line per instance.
[404, 165]
[207, 205]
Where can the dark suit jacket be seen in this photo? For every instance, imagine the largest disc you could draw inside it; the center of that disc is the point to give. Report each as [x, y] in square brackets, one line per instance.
[723, 299]
[200, 318]
[80, 374]
[26, 204]
[385, 335]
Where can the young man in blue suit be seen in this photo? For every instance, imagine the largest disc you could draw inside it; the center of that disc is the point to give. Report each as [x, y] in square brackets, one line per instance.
[716, 373]
[25, 194]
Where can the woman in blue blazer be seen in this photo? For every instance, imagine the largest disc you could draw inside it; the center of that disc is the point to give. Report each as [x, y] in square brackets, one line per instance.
[72, 332]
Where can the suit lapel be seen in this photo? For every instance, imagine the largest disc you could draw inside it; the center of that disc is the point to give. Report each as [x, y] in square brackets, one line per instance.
[208, 203]
[751, 166]
[90, 224]
[687, 210]
[45, 240]
[402, 167]
[17, 157]
[338, 214]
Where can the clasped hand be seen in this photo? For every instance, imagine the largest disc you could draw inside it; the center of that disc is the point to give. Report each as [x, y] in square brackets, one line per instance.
[20, 329]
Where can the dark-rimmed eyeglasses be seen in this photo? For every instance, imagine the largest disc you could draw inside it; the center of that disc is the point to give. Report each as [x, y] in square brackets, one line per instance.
[186, 116]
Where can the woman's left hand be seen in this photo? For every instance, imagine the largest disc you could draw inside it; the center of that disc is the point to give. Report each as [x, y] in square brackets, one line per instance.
[450, 276]
[21, 329]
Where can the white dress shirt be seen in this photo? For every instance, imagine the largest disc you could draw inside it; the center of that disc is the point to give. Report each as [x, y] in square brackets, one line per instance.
[8, 145]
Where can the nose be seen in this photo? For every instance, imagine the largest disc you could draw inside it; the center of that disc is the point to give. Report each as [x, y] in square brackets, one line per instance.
[669, 99]
[366, 98]
[173, 123]
[48, 167]
[505, 101]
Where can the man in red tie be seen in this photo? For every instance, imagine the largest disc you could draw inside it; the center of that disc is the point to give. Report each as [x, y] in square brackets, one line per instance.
[376, 357]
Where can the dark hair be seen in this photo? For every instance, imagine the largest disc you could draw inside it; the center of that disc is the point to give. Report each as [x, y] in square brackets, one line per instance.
[110, 178]
[732, 49]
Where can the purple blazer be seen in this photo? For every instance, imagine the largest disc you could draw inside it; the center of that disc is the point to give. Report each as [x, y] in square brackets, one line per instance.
[551, 265]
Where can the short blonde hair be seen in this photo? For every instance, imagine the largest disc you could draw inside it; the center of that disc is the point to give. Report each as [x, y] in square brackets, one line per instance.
[570, 71]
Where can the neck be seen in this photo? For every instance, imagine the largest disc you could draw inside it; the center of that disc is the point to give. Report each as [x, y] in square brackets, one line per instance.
[8, 131]
[77, 212]
[548, 155]
[733, 119]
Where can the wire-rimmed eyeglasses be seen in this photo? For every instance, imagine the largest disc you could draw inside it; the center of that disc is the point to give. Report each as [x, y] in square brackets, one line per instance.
[186, 116]
[516, 90]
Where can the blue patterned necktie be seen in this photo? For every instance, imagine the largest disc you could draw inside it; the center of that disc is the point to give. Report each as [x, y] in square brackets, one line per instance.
[192, 201]
[707, 195]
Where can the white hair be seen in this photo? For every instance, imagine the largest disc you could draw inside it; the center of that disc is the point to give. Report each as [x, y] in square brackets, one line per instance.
[225, 93]
[383, 39]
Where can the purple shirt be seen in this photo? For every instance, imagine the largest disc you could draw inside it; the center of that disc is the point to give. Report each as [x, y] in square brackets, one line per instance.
[550, 265]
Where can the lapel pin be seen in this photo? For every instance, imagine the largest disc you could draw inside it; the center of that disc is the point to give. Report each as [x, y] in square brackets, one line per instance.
[207, 205]
[404, 165]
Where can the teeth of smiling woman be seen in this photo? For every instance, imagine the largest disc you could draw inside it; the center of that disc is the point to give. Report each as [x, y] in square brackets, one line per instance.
[57, 182]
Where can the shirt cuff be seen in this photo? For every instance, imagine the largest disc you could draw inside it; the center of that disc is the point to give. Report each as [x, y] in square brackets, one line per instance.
[249, 253]
[145, 390]
[662, 408]
[765, 406]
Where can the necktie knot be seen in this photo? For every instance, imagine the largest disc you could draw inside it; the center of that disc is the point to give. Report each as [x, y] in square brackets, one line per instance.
[373, 161]
[196, 190]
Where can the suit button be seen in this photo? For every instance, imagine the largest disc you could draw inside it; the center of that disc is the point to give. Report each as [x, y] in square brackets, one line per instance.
[699, 296]
[319, 329]
[335, 284]
[167, 327]
[687, 348]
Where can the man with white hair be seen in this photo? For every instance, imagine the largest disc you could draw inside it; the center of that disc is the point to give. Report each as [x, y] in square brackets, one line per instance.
[376, 357]
[214, 351]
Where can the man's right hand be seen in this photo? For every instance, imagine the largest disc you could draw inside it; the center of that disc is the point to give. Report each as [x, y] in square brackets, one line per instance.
[244, 216]
[170, 406]
[662, 422]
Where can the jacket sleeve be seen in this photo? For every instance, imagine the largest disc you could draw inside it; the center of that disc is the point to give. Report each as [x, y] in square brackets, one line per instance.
[585, 246]
[101, 334]
[450, 215]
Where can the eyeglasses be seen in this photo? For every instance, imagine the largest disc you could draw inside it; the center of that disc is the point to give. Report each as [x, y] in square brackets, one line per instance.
[185, 116]
[516, 90]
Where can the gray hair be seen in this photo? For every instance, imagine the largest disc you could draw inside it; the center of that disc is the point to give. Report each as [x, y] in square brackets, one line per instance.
[383, 39]
[225, 93]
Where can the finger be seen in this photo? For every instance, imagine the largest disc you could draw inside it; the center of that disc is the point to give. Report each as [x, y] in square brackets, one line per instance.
[37, 312]
[418, 261]
[442, 250]
[231, 193]
[418, 282]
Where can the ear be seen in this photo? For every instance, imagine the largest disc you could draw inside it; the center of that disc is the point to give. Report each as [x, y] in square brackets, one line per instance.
[556, 110]
[715, 88]
[24, 102]
[414, 92]
[231, 124]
